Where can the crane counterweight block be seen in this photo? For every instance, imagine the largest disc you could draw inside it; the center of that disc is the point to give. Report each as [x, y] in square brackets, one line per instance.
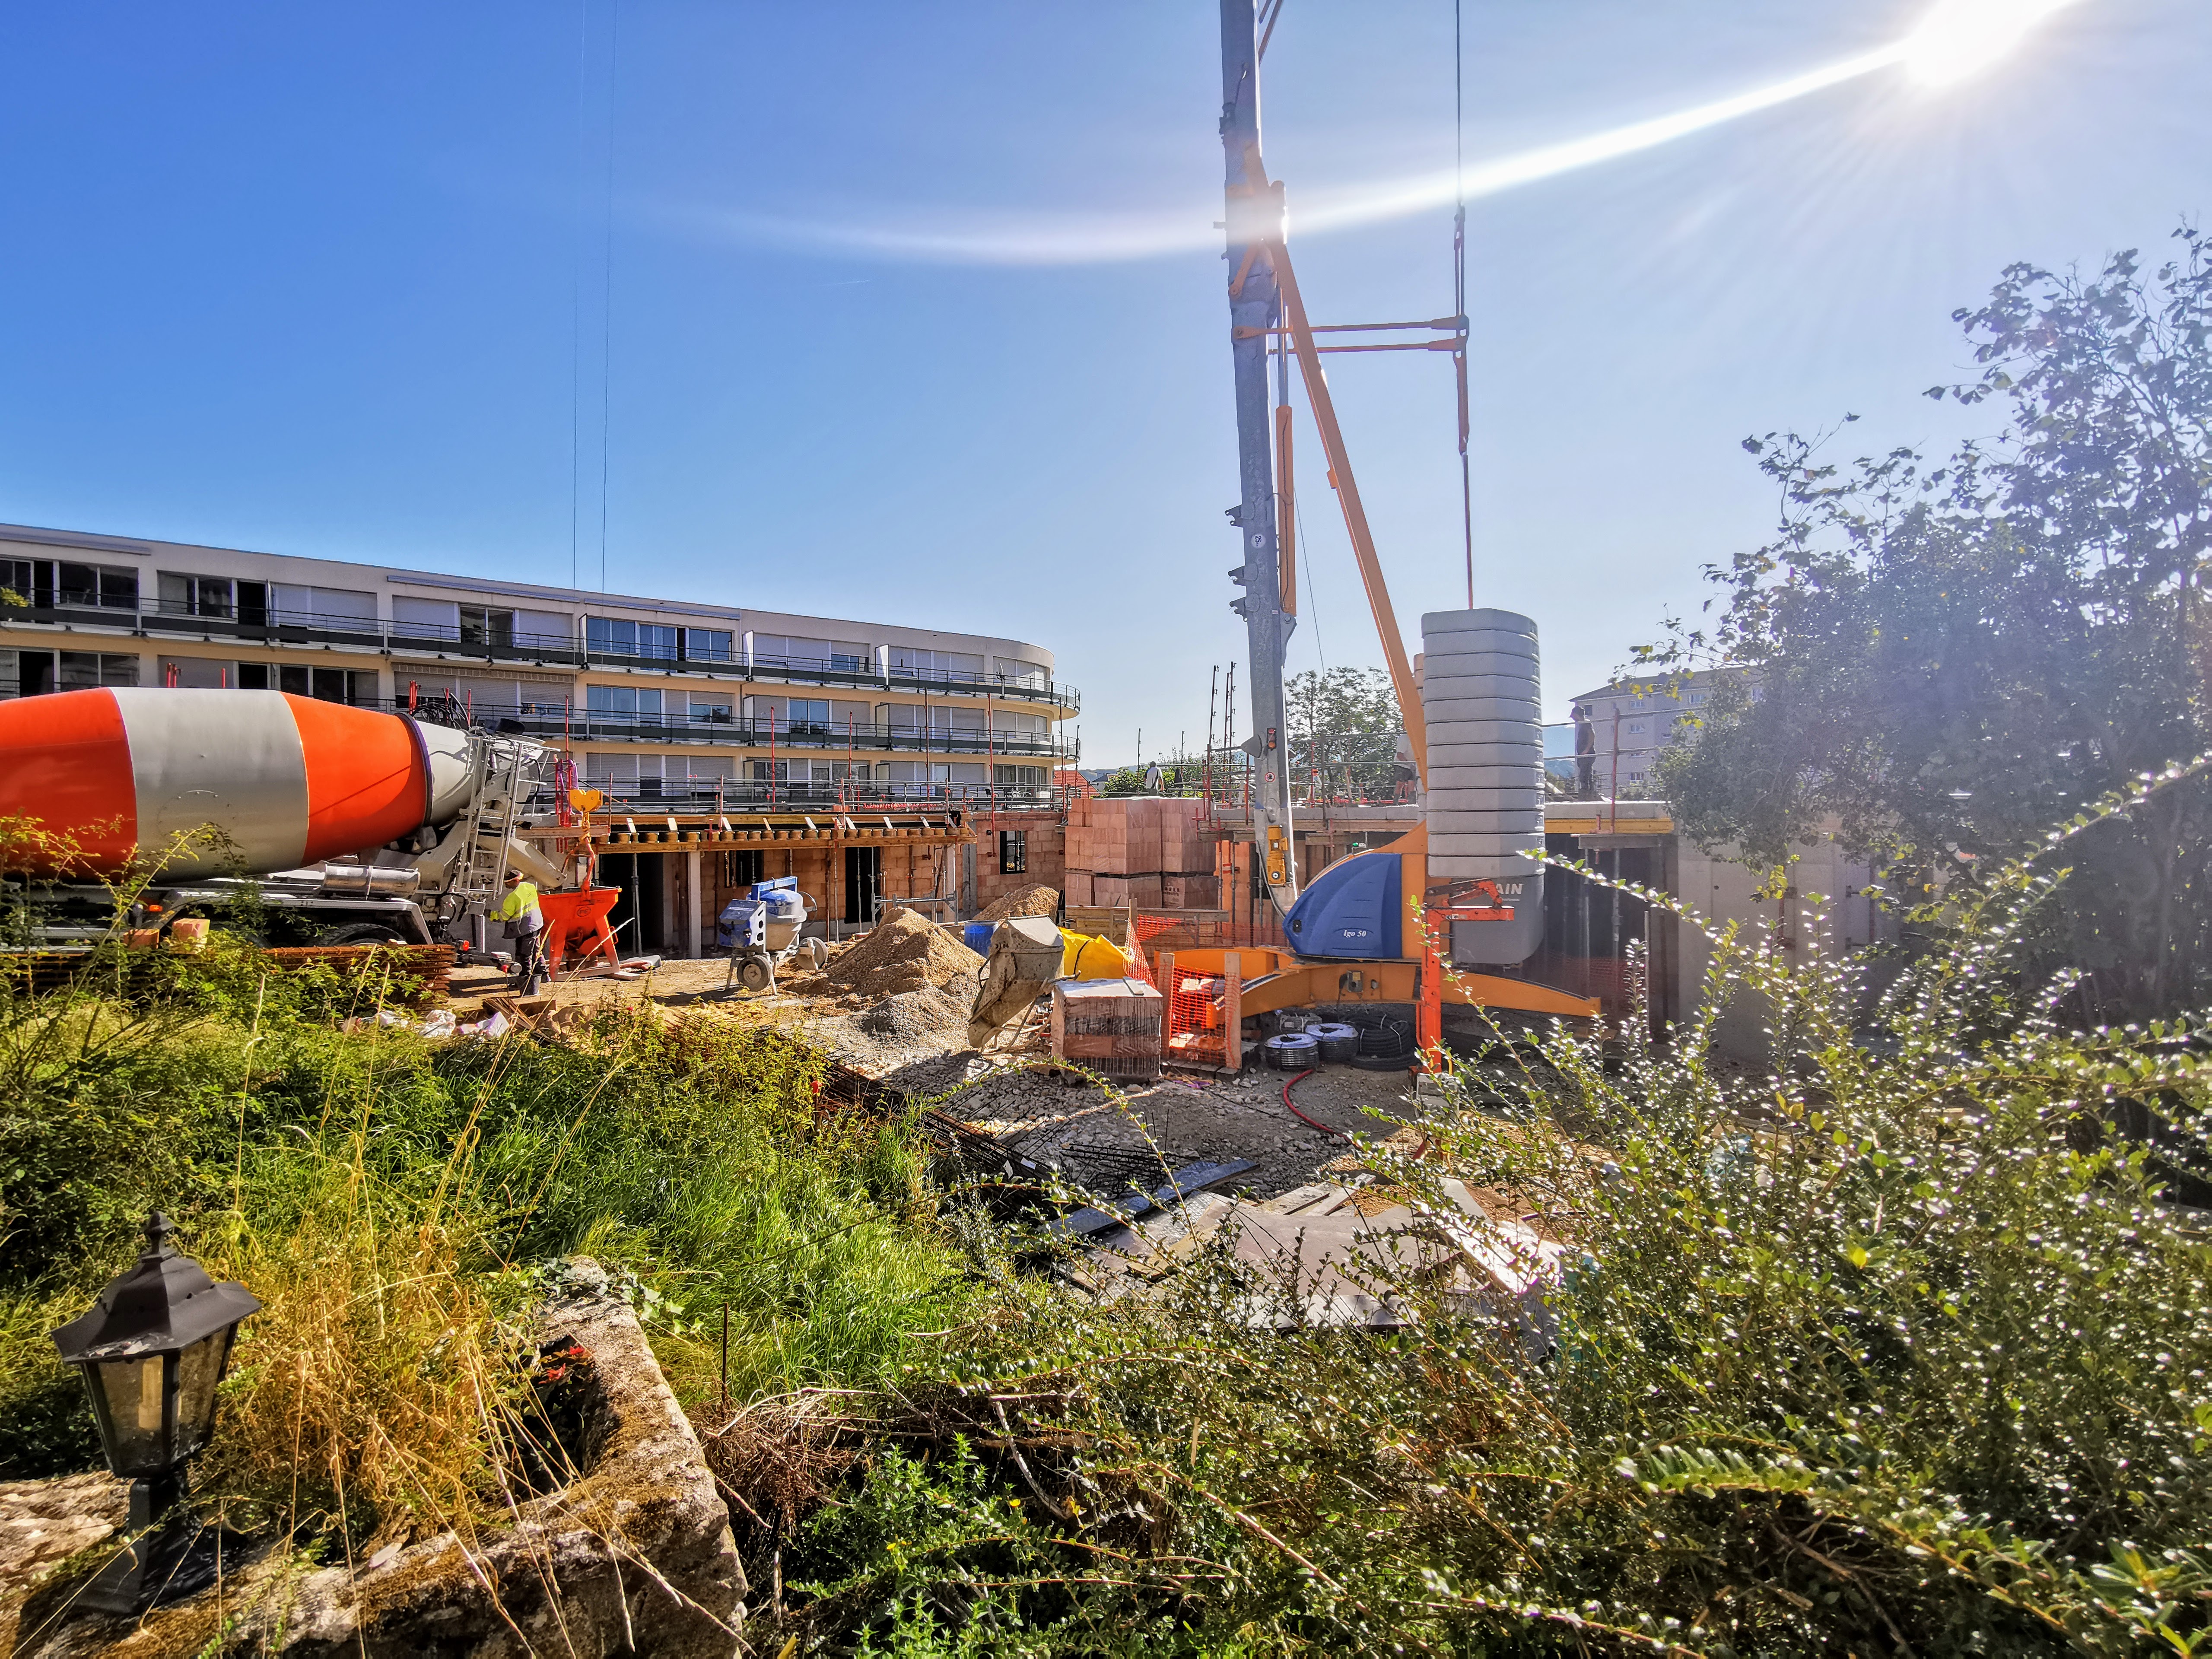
[118, 773]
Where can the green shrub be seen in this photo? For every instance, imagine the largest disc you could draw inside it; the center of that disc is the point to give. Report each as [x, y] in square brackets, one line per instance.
[1897, 1347]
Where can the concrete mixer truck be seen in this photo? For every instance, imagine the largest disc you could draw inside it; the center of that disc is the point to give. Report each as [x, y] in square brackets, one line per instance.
[348, 825]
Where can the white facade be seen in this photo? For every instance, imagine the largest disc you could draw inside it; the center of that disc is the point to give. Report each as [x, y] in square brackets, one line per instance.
[659, 700]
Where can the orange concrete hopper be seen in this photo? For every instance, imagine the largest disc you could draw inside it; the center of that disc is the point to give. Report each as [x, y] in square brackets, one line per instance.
[576, 926]
[114, 773]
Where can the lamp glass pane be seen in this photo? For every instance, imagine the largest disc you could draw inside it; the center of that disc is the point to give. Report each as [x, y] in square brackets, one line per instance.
[132, 1388]
[199, 1368]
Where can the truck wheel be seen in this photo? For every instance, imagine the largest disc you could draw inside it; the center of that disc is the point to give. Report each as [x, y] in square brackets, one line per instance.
[755, 975]
[367, 932]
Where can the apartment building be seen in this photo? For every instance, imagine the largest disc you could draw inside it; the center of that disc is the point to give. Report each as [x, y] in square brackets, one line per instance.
[1630, 723]
[681, 704]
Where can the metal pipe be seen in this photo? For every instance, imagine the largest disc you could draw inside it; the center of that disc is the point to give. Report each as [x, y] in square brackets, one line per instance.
[1452, 324]
[1355, 514]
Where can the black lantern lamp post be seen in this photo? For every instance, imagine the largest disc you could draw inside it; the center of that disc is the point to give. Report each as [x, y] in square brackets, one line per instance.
[152, 1351]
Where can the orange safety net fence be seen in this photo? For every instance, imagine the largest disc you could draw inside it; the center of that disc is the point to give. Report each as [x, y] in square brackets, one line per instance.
[1194, 1029]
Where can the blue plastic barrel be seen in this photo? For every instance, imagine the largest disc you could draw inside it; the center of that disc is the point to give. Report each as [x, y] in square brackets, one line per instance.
[976, 935]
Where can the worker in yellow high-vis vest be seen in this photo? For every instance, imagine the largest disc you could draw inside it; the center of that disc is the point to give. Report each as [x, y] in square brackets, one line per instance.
[526, 926]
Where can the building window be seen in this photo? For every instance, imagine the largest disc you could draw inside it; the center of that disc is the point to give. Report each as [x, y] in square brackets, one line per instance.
[622, 702]
[96, 586]
[788, 651]
[936, 665]
[847, 656]
[486, 629]
[324, 685]
[48, 582]
[82, 671]
[613, 636]
[790, 713]
[1013, 852]
[624, 777]
[707, 645]
[712, 710]
[196, 596]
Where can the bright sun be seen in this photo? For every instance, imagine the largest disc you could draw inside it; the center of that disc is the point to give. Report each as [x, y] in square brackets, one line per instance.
[1962, 36]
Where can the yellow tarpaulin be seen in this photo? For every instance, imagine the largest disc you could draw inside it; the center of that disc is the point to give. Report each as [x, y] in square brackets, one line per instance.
[1085, 955]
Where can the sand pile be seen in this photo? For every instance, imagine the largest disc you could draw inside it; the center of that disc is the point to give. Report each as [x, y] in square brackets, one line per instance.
[904, 952]
[1035, 899]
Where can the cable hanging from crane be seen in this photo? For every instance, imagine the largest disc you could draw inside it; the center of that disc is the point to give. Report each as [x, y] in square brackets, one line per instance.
[1459, 289]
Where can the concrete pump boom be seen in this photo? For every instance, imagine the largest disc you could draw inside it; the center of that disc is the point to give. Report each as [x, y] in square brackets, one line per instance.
[1252, 220]
[1264, 299]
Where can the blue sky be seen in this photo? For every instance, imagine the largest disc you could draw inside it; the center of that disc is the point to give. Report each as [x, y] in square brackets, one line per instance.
[352, 282]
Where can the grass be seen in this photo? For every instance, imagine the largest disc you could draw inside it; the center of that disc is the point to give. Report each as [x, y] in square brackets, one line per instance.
[395, 1204]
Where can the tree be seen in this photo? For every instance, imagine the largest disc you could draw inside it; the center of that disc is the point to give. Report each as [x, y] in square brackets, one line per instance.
[1129, 781]
[1344, 724]
[1945, 659]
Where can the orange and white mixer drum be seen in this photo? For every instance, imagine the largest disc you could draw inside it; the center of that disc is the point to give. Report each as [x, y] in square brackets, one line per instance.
[287, 780]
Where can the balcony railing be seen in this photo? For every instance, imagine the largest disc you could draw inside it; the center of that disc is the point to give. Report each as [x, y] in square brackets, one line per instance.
[587, 726]
[274, 626]
[642, 798]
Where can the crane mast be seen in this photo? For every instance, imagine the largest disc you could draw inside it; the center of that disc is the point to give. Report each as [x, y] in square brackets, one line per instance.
[1253, 221]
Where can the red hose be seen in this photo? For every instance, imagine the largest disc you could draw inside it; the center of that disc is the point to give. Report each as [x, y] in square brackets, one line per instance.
[1300, 1116]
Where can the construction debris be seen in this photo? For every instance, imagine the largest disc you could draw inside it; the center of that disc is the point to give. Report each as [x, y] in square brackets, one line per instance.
[1191, 1178]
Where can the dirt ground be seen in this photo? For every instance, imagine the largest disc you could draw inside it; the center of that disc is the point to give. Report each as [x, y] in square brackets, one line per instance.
[917, 1042]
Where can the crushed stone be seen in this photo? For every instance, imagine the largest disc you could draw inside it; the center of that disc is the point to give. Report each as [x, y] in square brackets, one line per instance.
[1035, 899]
[904, 952]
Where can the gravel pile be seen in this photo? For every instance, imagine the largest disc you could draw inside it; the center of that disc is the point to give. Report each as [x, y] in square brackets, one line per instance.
[1035, 899]
[905, 952]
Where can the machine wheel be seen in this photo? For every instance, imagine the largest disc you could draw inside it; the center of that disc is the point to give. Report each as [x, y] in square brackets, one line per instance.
[366, 933]
[817, 952]
[754, 973]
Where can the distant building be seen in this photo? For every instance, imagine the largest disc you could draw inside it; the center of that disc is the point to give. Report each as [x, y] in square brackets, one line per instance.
[1630, 722]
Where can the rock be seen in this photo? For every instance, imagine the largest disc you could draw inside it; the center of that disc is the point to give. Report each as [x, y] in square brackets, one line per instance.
[635, 1556]
[42, 1524]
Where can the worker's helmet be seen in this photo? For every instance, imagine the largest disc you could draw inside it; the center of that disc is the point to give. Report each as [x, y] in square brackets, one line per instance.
[513, 877]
